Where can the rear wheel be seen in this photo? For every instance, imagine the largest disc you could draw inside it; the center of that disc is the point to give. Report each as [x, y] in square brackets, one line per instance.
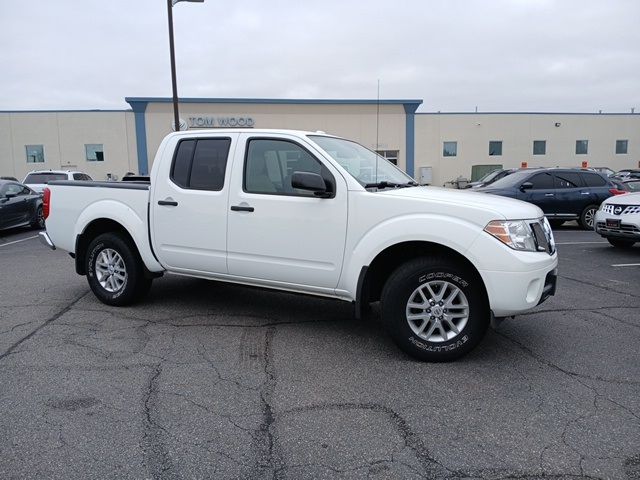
[434, 310]
[38, 221]
[621, 242]
[587, 216]
[114, 270]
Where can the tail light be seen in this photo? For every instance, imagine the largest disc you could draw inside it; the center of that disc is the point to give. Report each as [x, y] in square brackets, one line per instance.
[615, 191]
[46, 202]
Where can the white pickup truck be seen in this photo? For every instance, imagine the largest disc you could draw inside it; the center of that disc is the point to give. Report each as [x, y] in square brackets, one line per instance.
[316, 214]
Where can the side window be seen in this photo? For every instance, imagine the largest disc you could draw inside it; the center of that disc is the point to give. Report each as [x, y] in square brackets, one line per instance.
[25, 191]
[568, 180]
[542, 181]
[201, 164]
[14, 189]
[270, 164]
[593, 180]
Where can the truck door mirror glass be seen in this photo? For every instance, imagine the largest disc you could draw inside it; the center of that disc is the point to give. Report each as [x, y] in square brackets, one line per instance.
[526, 186]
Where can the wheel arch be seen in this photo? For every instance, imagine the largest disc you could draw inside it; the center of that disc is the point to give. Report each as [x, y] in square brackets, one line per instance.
[97, 227]
[373, 277]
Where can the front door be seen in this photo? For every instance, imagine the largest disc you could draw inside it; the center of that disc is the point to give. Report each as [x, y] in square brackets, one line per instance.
[542, 193]
[278, 233]
[189, 206]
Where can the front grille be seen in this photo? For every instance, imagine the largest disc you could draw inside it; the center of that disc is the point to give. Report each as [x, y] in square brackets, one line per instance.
[625, 228]
[623, 209]
[543, 236]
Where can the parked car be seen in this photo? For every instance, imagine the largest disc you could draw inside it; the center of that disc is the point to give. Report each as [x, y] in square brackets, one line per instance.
[628, 173]
[490, 177]
[618, 220]
[316, 214]
[633, 185]
[562, 194]
[606, 170]
[38, 179]
[19, 206]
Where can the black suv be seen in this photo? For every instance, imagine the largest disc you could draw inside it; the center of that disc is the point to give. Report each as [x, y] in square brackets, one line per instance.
[563, 194]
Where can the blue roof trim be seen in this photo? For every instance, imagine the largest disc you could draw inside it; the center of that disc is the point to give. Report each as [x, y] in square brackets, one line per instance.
[276, 101]
[66, 111]
[531, 113]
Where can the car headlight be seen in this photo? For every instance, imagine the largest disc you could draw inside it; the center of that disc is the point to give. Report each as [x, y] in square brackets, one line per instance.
[514, 233]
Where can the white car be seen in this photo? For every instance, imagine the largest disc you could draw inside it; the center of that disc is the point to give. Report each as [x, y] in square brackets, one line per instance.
[38, 179]
[618, 220]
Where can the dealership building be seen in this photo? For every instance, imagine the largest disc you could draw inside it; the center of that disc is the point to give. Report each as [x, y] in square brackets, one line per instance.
[435, 148]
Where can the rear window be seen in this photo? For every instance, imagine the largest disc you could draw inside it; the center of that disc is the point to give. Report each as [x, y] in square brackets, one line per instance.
[44, 177]
[81, 176]
[200, 164]
[594, 180]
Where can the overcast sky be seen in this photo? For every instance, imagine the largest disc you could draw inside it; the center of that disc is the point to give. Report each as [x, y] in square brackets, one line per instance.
[498, 55]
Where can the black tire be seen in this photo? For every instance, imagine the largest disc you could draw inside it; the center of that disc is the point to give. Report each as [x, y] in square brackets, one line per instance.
[38, 221]
[402, 286]
[588, 216]
[132, 287]
[621, 242]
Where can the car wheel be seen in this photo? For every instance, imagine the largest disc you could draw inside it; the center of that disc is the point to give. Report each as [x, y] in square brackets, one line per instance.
[587, 217]
[621, 242]
[434, 310]
[38, 221]
[114, 270]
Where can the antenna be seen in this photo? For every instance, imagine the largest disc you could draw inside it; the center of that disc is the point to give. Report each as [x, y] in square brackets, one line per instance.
[377, 128]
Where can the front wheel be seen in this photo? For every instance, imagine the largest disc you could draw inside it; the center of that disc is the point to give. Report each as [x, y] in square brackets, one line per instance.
[114, 270]
[435, 310]
[587, 217]
[621, 242]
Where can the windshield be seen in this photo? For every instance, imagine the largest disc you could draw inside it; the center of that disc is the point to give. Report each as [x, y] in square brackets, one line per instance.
[512, 180]
[365, 166]
[490, 176]
[34, 178]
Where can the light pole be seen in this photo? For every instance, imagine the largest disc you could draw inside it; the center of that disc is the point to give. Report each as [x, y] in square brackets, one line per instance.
[174, 83]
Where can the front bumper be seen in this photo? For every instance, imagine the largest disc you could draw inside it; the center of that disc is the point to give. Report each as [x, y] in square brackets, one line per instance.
[45, 240]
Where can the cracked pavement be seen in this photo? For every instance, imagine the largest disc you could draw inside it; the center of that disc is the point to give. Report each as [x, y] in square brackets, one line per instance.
[206, 380]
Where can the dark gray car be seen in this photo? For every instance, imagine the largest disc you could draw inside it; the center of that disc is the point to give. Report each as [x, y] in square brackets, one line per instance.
[19, 206]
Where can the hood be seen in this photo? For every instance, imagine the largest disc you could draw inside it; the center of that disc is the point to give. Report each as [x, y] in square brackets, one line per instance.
[624, 199]
[500, 207]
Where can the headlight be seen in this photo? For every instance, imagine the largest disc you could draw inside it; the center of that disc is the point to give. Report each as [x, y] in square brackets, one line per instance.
[514, 233]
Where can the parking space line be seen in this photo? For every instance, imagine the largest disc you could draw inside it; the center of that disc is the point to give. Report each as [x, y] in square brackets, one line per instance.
[626, 265]
[18, 241]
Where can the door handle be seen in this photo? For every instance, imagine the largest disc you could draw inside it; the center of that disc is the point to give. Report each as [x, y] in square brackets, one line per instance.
[548, 194]
[241, 208]
[584, 193]
[171, 203]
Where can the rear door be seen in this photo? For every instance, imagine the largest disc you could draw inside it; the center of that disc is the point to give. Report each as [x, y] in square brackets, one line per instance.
[277, 233]
[189, 205]
[571, 194]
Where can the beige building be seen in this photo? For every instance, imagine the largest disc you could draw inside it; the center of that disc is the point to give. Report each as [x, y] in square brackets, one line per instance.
[433, 147]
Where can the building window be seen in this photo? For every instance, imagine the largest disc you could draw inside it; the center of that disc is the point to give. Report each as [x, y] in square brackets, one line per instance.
[539, 147]
[450, 149]
[35, 153]
[94, 152]
[621, 147]
[391, 155]
[582, 147]
[495, 148]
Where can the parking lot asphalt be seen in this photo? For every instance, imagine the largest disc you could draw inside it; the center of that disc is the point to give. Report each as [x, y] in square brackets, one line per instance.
[207, 380]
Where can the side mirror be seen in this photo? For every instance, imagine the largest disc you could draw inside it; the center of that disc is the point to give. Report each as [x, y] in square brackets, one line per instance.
[311, 182]
[526, 186]
[10, 195]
